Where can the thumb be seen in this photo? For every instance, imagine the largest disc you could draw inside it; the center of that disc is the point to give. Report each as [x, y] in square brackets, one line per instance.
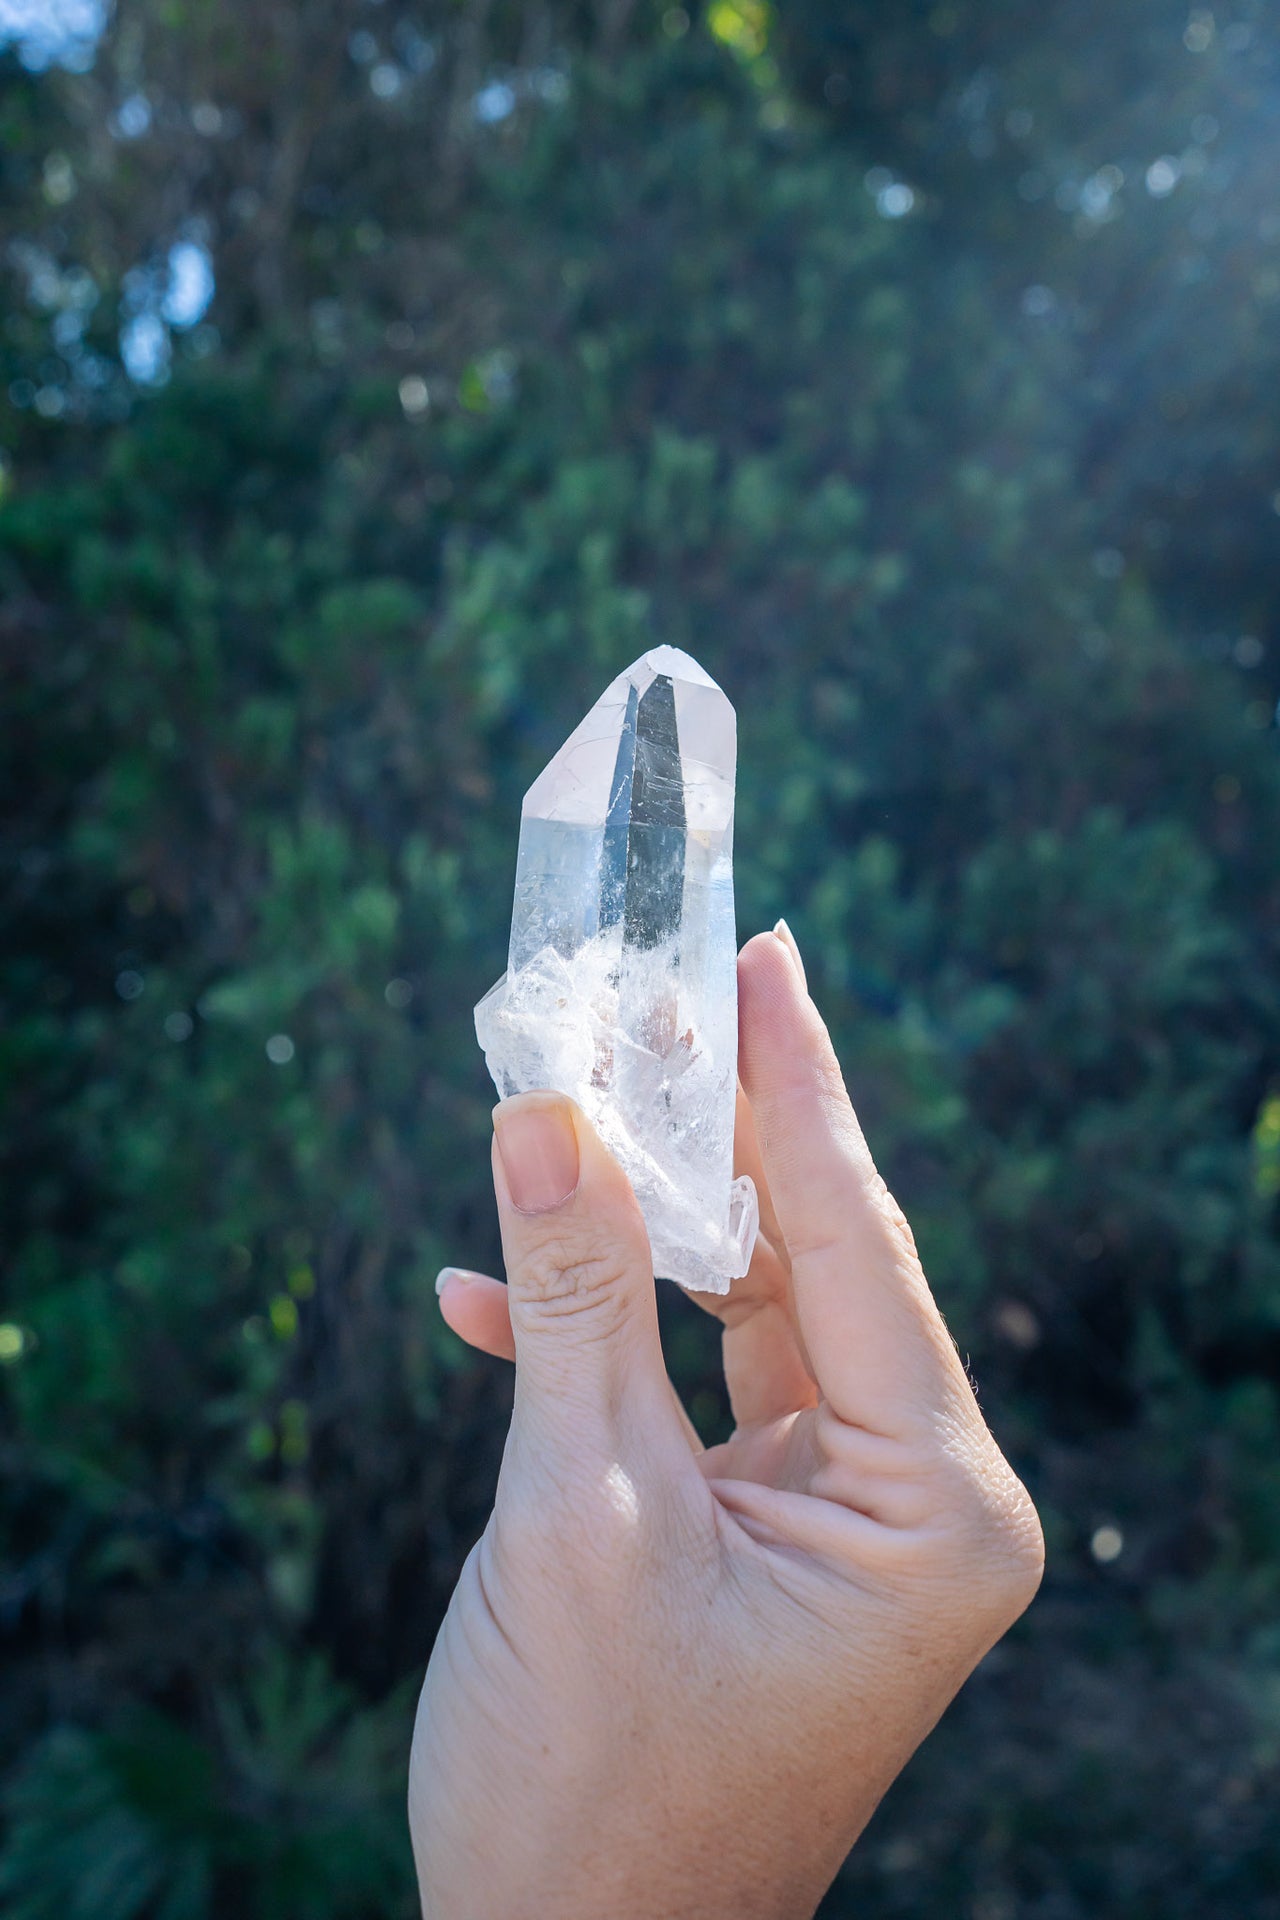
[579, 1277]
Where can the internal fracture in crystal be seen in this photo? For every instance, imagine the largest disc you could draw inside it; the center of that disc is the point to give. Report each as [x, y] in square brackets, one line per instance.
[621, 984]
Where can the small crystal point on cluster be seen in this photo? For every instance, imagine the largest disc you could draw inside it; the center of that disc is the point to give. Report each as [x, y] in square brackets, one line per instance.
[621, 984]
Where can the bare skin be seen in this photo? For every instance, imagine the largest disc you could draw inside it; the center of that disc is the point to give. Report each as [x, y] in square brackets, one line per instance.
[673, 1683]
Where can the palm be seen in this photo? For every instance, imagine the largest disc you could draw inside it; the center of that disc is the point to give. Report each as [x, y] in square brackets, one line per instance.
[782, 1453]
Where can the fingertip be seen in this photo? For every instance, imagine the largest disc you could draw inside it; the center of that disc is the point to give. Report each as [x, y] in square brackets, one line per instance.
[768, 969]
[783, 932]
[536, 1138]
[778, 1022]
[790, 1072]
[451, 1276]
[476, 1308]
[573, 1234]
[767, 948]
[550, 1164]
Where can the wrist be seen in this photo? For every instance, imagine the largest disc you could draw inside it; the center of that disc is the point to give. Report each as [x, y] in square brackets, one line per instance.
[680, 1856]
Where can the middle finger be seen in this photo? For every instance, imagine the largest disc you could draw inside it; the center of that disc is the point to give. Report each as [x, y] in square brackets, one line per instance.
[766, 1370]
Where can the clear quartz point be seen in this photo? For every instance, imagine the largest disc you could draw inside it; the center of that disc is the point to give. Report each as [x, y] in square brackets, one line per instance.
[621, 983]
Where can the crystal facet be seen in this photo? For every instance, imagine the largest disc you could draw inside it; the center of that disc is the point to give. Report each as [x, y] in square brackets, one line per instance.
[621, 984]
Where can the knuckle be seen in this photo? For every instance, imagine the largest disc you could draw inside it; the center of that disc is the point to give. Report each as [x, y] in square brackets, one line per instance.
[999, 1540]
[567, 1279]
[895, 1220]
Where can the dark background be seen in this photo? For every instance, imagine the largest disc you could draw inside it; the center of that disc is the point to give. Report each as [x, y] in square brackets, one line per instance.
[376, 380]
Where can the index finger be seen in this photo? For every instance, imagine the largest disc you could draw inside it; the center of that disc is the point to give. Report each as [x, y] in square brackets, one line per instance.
[875, 1338]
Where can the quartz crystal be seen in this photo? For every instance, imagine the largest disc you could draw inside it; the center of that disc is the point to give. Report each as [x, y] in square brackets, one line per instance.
[621, 984]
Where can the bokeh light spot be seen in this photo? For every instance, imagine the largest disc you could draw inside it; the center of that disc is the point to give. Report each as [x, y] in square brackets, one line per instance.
[895, 201]
[1198, 36]
[494, 103]
[132, 118]
[741, 25]
[52, 32]
[190, 287]
[1163, 176]
[1016, 1323]
[284, 1316]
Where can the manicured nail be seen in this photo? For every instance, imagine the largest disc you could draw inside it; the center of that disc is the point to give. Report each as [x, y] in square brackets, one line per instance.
[446, 1274]
[783, 932]
[539, 1151]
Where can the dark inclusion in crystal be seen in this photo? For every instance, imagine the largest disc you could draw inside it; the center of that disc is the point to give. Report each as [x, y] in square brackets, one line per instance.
[642, 859]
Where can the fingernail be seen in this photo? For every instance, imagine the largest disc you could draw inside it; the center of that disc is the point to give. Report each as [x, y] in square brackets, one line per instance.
[446, 1274]
[783, 932]
[539, 1151]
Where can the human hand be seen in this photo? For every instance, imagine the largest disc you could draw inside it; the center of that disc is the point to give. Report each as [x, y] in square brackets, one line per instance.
[672, 1683]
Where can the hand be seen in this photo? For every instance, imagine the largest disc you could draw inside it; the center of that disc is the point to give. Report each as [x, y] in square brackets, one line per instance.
[674, 1683]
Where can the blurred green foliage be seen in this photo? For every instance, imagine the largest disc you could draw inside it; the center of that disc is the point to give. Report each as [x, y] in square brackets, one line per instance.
[917, 370]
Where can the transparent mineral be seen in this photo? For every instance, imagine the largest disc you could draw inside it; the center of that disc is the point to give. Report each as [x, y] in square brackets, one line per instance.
[621, 984]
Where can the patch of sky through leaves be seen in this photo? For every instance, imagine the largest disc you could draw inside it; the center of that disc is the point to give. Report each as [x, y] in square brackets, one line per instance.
[50, 33]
